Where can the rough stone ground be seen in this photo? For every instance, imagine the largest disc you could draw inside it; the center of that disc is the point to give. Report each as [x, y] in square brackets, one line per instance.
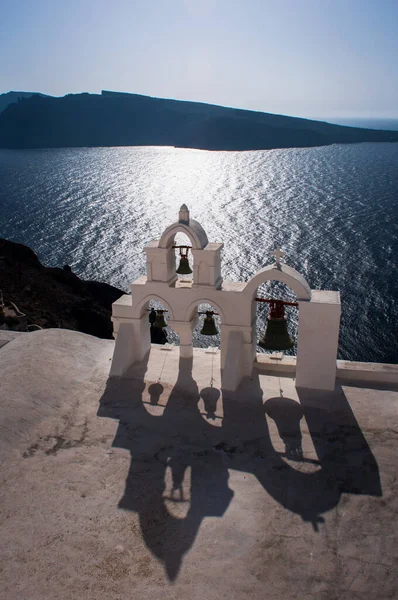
[160, 487]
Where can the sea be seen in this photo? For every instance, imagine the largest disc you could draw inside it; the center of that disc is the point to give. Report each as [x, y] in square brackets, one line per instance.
[333, 210]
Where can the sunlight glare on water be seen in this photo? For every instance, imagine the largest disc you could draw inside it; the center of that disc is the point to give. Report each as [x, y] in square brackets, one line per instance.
[333, 210]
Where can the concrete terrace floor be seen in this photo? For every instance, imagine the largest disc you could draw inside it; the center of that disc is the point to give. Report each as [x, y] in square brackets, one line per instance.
[160, 486]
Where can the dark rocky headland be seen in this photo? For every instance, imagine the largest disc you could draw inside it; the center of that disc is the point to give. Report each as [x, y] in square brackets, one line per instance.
[118, 119]
[51, 297]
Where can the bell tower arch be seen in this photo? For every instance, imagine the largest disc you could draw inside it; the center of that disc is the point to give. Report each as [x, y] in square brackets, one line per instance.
[161, 263]
[318, 325]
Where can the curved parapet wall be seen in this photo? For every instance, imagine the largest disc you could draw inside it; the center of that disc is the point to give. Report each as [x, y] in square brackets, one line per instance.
[192, 229]
[192, 308]
[282, 273]
[140, 309]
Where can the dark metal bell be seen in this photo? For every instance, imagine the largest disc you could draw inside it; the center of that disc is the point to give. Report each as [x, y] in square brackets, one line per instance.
[184, 268]
[160, 322]
[276, 336]
[209, 325]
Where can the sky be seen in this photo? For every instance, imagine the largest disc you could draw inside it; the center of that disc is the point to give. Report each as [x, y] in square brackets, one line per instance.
[310, 58]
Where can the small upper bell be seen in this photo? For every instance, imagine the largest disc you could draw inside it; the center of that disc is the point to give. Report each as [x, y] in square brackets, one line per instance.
[209, 325]
[276, 336]
[184, 268]
[160, 320]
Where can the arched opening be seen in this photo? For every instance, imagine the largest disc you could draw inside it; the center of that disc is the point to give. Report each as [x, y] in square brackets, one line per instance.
[207, 336]
[194, 230]
[153, 308]
[204, 340]
[278, 291]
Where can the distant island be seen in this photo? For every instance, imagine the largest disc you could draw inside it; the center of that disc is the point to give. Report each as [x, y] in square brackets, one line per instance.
[12, 97]
[29, 120]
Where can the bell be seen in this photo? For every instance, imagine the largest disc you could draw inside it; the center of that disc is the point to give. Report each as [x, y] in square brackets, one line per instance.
[152, 316]
[209, 326]
[160, 322]
[276, 336]
[184, 268]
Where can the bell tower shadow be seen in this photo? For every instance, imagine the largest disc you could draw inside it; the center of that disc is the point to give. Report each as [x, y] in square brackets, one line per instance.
[174, 441]
[181, 441]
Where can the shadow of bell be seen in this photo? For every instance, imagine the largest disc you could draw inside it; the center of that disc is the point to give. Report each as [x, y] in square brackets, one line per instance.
[155, 391]
[287, 414]
[210, 397]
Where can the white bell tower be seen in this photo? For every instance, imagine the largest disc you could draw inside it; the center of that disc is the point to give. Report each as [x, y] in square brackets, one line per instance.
[319, 310]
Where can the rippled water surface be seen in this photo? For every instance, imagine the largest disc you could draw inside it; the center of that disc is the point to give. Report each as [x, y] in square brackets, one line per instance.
[333, 210]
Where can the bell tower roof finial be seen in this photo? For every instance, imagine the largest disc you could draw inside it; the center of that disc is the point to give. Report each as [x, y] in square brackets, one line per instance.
[183, 215]
[278, 255]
